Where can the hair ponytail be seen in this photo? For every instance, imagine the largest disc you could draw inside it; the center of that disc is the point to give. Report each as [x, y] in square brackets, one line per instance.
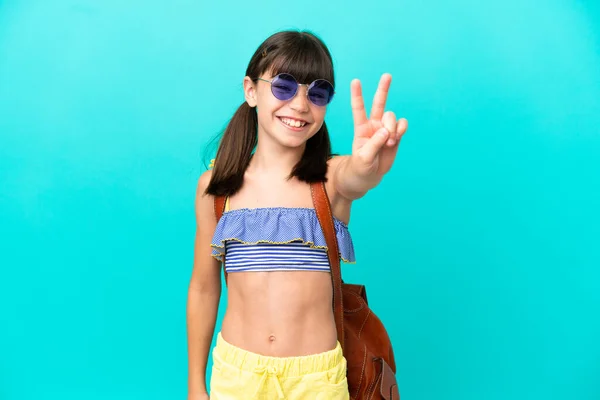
[234, 153]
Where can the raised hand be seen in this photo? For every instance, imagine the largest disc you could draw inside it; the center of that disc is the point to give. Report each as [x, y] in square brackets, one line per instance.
[376, 138]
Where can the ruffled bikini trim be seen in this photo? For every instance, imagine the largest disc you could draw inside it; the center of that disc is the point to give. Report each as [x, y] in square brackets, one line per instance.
[284, 225]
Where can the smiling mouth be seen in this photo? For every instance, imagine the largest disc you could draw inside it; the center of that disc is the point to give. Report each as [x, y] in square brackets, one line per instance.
[293, 123]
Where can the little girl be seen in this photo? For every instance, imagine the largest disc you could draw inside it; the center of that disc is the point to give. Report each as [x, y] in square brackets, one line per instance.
[278, 338]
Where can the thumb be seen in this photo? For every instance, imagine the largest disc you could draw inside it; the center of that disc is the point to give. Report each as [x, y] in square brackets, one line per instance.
[369, 150]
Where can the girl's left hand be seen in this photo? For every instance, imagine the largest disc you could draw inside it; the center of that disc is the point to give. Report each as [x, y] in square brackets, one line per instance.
[376, 139]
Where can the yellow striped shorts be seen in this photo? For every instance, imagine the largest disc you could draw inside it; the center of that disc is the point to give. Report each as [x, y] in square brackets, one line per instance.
[239, 374]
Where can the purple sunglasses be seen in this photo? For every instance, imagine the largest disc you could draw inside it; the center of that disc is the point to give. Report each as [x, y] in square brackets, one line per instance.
[284, 87]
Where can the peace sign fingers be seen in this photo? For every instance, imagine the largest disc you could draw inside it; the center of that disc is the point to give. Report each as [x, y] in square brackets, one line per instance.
[380, 98]
[358, 103]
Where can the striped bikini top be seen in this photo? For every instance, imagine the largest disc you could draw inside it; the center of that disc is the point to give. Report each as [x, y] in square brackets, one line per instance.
[276, 239]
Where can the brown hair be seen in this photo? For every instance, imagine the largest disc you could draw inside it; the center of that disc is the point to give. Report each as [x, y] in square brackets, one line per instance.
[303, 55]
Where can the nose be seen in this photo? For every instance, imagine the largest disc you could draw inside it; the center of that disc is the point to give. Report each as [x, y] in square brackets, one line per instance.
[300, 101]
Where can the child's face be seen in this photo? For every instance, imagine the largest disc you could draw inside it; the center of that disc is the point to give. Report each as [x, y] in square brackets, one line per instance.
[291, 123]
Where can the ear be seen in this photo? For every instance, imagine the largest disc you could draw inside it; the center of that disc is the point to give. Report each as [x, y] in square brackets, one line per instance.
[250, 92]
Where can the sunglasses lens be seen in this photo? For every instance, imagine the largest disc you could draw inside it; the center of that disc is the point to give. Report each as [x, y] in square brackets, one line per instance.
[284, 86]
[320, 92]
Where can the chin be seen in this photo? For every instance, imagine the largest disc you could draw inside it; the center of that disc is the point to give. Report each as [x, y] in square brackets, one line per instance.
[292, 139]
[292, 142]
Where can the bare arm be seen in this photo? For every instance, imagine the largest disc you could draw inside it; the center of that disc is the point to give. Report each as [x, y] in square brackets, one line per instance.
[203, 293]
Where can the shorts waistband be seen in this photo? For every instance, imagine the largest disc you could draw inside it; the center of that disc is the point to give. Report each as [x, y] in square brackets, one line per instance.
[287, 366]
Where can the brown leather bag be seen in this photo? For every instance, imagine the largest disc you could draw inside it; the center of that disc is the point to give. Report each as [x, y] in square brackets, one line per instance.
[366, 343]
[364, 339]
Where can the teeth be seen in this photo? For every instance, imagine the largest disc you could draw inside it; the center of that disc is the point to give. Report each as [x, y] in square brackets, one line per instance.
[293, 122]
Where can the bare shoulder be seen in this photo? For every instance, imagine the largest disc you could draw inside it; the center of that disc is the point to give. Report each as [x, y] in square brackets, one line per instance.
[204, 180]
[204, 202]
[339, 204]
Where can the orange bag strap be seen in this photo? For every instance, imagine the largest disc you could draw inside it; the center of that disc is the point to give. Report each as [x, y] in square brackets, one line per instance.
[323, 210]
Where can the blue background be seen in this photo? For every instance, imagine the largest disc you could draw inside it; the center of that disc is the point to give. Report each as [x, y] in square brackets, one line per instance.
[480, 248]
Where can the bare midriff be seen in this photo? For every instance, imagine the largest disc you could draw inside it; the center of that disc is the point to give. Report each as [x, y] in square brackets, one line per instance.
[280, 313]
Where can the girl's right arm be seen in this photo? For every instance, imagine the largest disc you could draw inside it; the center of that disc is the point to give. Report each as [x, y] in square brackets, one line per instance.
[203, 293]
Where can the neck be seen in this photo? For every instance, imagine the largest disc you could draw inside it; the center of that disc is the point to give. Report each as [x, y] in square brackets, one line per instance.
[275, 160]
